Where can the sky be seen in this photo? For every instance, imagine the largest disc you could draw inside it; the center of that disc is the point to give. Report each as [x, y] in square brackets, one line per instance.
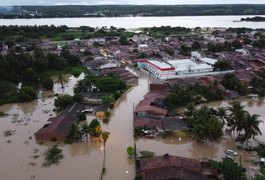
[118, 2]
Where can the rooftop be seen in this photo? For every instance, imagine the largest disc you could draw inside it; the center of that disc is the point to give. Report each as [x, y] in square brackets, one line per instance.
[171, 167]
[187, 64]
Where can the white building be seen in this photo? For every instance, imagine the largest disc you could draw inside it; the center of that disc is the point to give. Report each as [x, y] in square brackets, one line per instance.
[143, 47]
[178, 68]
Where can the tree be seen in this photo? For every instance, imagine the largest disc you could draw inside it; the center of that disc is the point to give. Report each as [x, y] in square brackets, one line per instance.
[63, 101]
[26, 94]
[123, 40]
[95, 128]
[222, 113]
[74, 133]
[236, 116]
[108, 99]
[190, 110]
[251, 126]
[197, 30]
[110, 84]
[130, 151]
[29, 76]
[52, 156]
[47, 83]
[81, 117]
[231, 170]
[85, 129]
[196, 45]
[221, 65]
[105, 136]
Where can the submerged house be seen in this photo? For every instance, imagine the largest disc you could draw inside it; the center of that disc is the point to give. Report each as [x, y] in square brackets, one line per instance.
[171, 167]
[60, 126]
[150, 106]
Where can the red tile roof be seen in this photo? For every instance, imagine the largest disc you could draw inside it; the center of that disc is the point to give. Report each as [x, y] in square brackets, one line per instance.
[171, 167]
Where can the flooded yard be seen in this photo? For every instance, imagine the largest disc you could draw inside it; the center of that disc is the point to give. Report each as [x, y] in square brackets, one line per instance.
[22, 158]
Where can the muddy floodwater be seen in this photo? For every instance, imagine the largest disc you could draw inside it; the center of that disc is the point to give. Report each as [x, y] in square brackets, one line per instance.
[21, 157]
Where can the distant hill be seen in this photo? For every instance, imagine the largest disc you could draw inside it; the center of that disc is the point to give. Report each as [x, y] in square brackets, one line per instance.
[129, 10]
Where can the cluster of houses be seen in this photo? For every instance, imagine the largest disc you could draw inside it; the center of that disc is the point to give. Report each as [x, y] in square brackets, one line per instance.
[151, 116]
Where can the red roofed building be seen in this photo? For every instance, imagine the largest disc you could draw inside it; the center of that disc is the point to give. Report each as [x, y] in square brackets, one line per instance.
[171, 167]
[150, 105]
[59, 127]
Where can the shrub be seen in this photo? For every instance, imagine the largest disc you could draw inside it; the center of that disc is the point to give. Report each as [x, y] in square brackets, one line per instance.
[130, 151]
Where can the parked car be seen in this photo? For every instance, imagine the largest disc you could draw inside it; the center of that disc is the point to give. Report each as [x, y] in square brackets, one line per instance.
[227, 156]
[88, 110]
[231, 152]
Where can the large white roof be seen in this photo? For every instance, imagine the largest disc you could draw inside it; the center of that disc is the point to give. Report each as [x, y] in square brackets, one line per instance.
[187, 64]
[209, 60]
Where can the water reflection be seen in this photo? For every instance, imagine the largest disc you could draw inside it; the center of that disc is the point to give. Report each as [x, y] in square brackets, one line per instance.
[83, 148]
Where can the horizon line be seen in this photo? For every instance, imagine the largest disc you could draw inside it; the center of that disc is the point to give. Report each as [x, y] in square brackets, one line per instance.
[67, 4]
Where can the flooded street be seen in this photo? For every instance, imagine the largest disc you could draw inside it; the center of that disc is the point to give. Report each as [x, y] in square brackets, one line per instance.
[19, 152]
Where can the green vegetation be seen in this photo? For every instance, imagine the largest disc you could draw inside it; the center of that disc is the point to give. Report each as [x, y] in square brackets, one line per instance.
[231, 82]
[95, 128]
[164, 31]
[105, 136]
[32, 70]
[146, 154]
[229, 169]
[74, 134]
[204, 122]
[130, 151]
[207, 123]
[258, 84]
[221, 66]
[232, 170]
[254, 19]
[181, 96]
[226, 46]
[123, 40]
[47, 83]
[122, 10]
[53, 156]
[63, 101]
[81, 117]
[240, 120]
[196, 45]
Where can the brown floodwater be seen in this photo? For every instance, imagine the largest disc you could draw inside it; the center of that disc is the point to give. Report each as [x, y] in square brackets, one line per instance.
[19, 152]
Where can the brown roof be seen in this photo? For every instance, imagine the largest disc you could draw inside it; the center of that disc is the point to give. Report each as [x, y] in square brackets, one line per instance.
[171, 167]
[60, 125]
[145, 104]
[147, 123]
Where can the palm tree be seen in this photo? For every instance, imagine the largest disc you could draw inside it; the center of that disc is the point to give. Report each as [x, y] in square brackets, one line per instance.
[74, 133]
[85, 129]
[236, 116]
[190, 111]
[222, 113]
[105, 136]
[251, 126]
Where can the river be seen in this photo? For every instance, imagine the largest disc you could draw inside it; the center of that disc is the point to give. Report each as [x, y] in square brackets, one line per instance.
[137, 22]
